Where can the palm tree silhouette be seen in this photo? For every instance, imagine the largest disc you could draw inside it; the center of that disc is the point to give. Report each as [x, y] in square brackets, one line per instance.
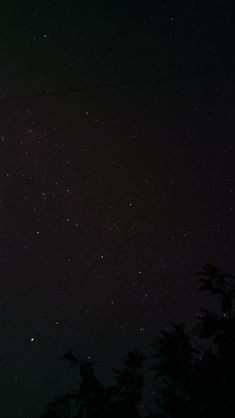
[194, 371]
[90, 398]
[173, 355]
[218, 283]
[126, 393]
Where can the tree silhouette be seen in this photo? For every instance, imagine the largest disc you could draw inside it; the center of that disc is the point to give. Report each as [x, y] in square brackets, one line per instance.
[194, 371]
[215, 369]
[217, 283]
[126, 393]
[173, 370]
[90, 398]
[199, 383]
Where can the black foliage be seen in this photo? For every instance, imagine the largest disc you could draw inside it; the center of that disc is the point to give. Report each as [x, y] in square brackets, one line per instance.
[199, 382]
[90, 399]
[126, 393]
[193, 371]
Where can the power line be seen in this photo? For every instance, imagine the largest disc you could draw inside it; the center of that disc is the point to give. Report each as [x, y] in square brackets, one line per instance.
[120, 84]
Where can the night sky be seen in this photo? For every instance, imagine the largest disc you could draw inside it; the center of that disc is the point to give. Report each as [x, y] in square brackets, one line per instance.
[117, 180]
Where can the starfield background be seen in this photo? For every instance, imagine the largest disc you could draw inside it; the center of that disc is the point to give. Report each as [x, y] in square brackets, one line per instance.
[117, 183]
